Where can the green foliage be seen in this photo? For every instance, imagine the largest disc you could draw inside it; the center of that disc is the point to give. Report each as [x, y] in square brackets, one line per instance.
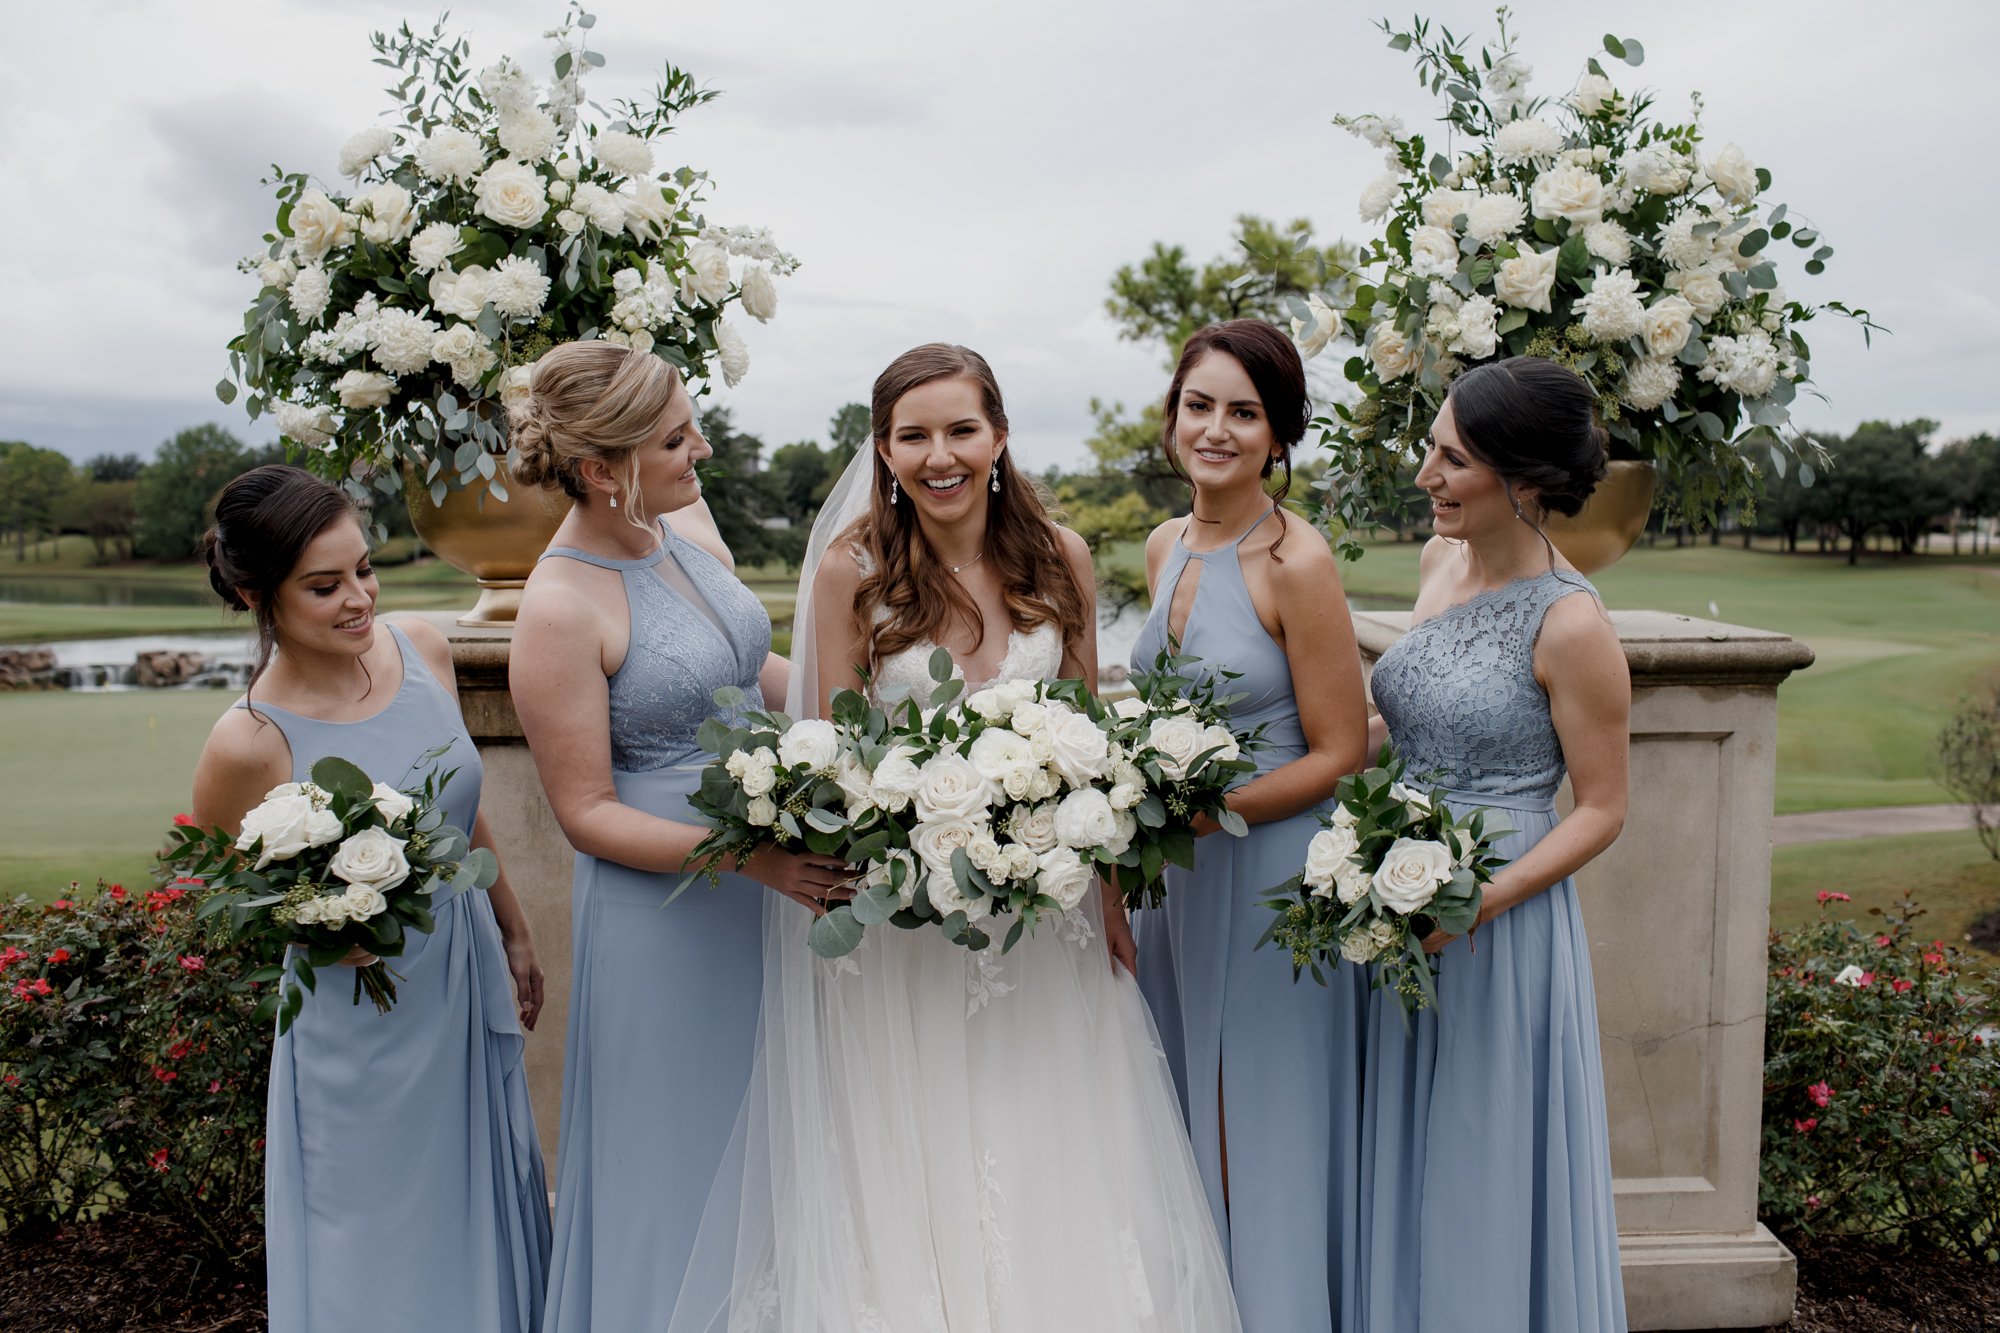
[1968, 763]
[34, 484]
[1881, 1116]
[741, 496]
[132, 1068]
[178, 487]
[105, 510]
[1884, 478]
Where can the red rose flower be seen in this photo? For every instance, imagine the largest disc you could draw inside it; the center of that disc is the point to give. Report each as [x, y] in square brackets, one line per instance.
[61, 905]
[1820, 1093]
[160, 1160]
[183, 821]
[193, 962]
[1806, 1126]
[10, 956]
[1901, 984]
[179, 1050]
[164, 1075]
[1883, 941]
[60, 956]
[117, 892]
[1826, 897]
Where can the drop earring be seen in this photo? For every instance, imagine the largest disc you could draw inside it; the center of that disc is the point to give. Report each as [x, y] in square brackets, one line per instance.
[996, 479]
[894, 494]
[614, 502]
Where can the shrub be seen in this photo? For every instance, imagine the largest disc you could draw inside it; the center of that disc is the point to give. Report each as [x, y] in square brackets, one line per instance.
[1880, 1110]
[1968, 764]
[132, 1068]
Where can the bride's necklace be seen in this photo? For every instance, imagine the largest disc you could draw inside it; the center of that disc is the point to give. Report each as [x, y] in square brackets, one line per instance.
[968, 564]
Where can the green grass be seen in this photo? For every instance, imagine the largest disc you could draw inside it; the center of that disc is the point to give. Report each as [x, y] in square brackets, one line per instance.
[1949, 874]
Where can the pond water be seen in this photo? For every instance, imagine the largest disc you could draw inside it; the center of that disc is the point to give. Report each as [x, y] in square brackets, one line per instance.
[102, 592]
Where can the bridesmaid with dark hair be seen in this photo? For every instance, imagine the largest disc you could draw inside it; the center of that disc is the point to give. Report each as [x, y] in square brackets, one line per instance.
[1485, 1138]
[1266, 1065]
[403, 1179]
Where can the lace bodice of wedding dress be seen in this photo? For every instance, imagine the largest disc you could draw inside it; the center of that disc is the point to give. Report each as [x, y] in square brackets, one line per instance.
[1034, 654]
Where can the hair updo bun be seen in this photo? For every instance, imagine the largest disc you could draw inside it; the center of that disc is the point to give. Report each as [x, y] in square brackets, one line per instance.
[589, 400]
[264, 520]
[1534, 423]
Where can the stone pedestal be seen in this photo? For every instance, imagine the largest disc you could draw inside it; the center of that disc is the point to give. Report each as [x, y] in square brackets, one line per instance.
[1678, 910]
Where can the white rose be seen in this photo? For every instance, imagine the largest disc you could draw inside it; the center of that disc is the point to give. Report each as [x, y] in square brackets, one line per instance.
[516, 385]
[1034, 827]
[946, 899]
[570, 221]
[391, 804]
[307, 913]
[276, 272]
[894, 783]
[1593, 93]
[1014, 693]
[987, 704]
[1410, 874]
[1734, 175]
[1126, 795]
[1030, 717]
[1343, 817]
[760, 772]
[986, 856]
[1656, 170]
[451, 155]
[465, 349]
[1350, 884]
[761, 812]
[518, 287]
[372, 858]
[1575, 193]
[1178, 741]
[1045, 785]
[623, 154]
[1324, 329]
[362, 149]
[706, 277]
[310, 426]
[999, 754]
[1526, 140]
[318, 225]
[1433, 253]
[360, 389]
[462, 294]
[648, 215]
[1021, 861]
[434, 245]
[935, 840]
[386, 214]
[1393, 355]
[812, 741]
[511, 194]
[732, 352]
[287, 825]
[309, 293]
[1221, 740]
[529, 134]
[855, 784]
[1380, 197]
[1526, 280]
[760, 294]
[1494, 217]
[1078, 747]
[362, 901]
[1703, 290]
[569, 169]
[559, 191]
[1085, 819]
[1359, 947]
[948, 787]
[1328, 851]
[1064, 876]
[1410, 796]
[1442, 207]
[1669, 324]
[1649, 382]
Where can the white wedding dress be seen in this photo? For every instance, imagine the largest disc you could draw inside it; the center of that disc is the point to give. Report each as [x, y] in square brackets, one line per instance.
[938, 1139]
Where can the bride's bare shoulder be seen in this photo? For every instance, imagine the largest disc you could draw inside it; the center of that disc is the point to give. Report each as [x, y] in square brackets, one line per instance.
[839, 572]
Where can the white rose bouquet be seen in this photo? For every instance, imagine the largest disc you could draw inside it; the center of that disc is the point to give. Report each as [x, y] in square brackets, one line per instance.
[1177, 758]
[1571, 227]
[490, 217]
[1391, 864]
[331, 865]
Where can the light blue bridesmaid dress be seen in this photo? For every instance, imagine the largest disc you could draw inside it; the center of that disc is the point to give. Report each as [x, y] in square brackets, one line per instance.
[1485, 1137]
[403, 1184]
[663, 1000]
[1264, 1061]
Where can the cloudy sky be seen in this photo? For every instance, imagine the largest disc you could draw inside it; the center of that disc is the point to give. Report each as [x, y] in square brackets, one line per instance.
[952, 171]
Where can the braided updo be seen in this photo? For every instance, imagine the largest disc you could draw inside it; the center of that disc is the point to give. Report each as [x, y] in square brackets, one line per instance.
[1532, 421]
[589, 400]
[264, 520]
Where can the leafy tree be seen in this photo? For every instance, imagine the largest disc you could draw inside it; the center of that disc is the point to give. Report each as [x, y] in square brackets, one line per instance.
[177, 488]
[1968, 764]
[1972, 476]
[801, 474]
[738, 494]
[104, 510]
[115, 467]
[1884, 479]
[33, 483]
[847, 432]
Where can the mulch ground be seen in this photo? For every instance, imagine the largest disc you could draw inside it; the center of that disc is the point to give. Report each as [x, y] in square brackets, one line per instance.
[122, 1274]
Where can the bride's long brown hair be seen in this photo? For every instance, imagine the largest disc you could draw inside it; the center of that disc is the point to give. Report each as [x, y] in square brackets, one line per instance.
[907, 594]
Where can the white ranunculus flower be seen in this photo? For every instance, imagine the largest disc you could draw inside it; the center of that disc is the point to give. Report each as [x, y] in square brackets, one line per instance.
[319, 226]
[1393, 355]
[761, 812]
[1574, 193]
[1324, 329]
[935, 840]
[760, 294]
[600, 205]
[310, 426]
[363, 148]
[1649, 382]
[1442, 207]
[998, 755]
[1734, 175]
[360, 389]
[1064, 876]
[1593, 93]
[391, 804]
[1669, 324]
[461, 294]
[1085, 819]
[896, 779]
[511, 194]
[946, 899]
[385, 214]
[518, 287]
[1078, 747]
[451, 155]
[1380, 197]
[1177, 740]
[529, 134]
[1433, 253]
[1611, 308]
[706, 277]
[400, 341]
[433, 247]
[732, 352]
[1411, 873]
[1359, 947]
[1351, 884]
[1609, 242]
[1527, 140]
[811, 741]
[948, 787]
[364, 901]
[372, 858]
[1527, 279]
[648, 215]
[309, 293]
[1478, 328]
[1494, 217]
[623, 154]
[1328, 851]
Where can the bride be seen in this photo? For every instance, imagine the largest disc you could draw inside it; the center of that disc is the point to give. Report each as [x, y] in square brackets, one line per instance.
[937, 1139]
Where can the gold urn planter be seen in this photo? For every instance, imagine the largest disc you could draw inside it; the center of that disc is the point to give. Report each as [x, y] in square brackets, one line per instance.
[1611, 519]
[496, 541]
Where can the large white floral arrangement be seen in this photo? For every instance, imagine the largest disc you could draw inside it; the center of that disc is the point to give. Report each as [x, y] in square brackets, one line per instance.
[490, 218]
[1575, 228]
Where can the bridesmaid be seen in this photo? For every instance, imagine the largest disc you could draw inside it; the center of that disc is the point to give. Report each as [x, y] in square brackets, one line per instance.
[627, 628]
[403, 1179]
[1485, 1131]
[1266, 1065]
